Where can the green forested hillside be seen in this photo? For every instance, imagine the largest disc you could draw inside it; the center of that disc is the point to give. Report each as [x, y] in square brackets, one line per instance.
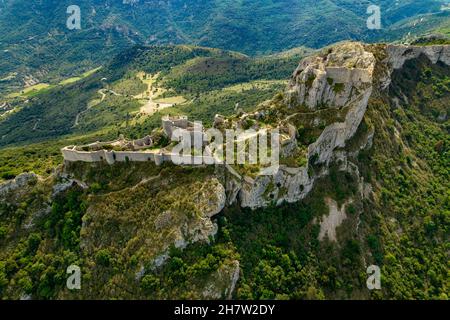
[51, 113]
[35, 44]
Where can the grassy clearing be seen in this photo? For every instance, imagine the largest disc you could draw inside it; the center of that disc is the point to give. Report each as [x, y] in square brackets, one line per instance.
[41, 87]
[30, 91]
[75, 79]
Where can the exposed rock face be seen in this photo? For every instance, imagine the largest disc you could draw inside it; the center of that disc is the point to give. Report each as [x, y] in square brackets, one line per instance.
[338, 134]
[399, 54]
[66, 184]
[333, 220]
[19, 182]
[213, 199]
[340, 79]
[223, 282]
[234, 279]
[343, 77]
[158, 216]
[333, 79]
[288, 184]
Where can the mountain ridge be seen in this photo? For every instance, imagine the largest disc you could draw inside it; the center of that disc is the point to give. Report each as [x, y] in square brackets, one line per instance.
[109, 27]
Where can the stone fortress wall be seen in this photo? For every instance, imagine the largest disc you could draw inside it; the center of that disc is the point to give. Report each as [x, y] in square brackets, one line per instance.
[344, 77]
[98, 153]
[111, 157]
[71, 154]
[140, 150]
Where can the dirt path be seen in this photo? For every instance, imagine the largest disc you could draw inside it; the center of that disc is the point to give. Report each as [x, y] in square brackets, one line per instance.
[36, 124]
[149, 108]
[103, 94]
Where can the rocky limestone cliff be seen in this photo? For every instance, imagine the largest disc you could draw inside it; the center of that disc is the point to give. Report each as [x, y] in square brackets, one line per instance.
[158, 215]
[397, 55]
[141, 215]
[21, 181]
[343, 77]
[334, 78]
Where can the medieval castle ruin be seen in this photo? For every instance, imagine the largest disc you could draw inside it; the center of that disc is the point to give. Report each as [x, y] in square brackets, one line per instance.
[122, 150]
[144, 149]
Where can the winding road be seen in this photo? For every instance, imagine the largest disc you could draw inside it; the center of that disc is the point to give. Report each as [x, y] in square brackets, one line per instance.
[103, 94]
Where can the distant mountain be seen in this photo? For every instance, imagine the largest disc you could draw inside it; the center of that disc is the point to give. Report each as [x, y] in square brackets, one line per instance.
[36, 45]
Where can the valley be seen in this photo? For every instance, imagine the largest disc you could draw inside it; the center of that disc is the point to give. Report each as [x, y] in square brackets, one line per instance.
[50, 52]
[111, 99]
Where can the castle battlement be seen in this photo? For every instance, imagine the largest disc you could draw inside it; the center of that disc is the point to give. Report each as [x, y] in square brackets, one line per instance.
[143, 150]
[139, 150]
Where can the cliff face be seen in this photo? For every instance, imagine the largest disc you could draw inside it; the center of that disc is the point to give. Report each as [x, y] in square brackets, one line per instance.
[329, 94]
[334, 78]
[344, 78]
[349, 67]
[398, 55]
[19, 182]
[341, 77]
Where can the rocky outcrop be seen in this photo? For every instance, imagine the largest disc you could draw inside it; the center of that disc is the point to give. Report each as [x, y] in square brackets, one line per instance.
[398, 54]
[332, 79]
[337, 134]
[234, 279]
[223, 282]
[342, 77]
[334, 219]
[213, 199]
[21, 181]
[286, 185]
[159, 214]
[65, 184]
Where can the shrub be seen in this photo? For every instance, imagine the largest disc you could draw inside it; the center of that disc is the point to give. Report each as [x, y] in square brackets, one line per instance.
[103, 257]
[8, 175]
[338, 87]
[33, 242]
[149, 283]
[3, 232]
[95, 187]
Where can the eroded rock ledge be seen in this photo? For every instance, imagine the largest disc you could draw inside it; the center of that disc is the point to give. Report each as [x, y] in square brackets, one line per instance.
[344, 76]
